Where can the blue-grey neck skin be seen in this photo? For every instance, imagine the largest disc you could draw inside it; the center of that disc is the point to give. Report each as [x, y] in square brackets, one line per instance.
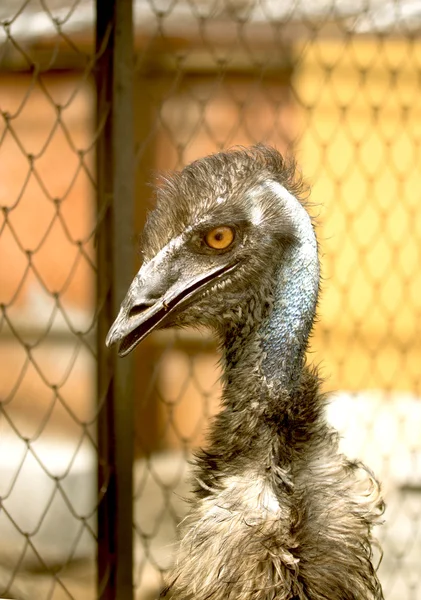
[274, 347]
[285, 333]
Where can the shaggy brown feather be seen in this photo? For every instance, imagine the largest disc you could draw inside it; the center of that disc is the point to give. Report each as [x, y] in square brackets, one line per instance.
[278, 512]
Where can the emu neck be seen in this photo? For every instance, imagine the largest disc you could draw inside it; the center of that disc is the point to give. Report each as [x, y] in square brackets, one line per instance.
[285, 332]
[272, 351]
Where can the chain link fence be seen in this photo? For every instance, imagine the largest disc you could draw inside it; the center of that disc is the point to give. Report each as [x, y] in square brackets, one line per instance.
[48, 412]
[84, 128]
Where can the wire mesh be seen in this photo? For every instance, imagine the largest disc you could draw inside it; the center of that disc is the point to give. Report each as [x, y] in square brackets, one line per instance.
[340, 82]
[48, 408]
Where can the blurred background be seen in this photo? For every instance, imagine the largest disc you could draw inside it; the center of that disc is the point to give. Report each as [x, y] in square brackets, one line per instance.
[95, 100]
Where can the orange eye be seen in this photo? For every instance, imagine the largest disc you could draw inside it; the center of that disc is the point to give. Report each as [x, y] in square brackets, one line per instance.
[220, 237]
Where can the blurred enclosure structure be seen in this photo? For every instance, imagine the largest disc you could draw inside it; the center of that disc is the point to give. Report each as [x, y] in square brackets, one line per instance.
[94, 100]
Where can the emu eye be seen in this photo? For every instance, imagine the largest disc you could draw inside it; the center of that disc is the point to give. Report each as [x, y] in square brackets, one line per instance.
[220, 237]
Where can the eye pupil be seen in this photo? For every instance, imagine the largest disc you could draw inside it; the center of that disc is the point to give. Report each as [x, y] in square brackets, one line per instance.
[219, 236]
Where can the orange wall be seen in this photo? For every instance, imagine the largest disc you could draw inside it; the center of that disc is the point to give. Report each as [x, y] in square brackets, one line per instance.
[28, 189]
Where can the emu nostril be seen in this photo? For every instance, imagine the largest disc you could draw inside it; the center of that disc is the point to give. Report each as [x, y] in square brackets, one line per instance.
[139, 309]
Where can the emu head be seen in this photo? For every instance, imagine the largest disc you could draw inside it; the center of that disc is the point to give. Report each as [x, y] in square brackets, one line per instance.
[211, 246]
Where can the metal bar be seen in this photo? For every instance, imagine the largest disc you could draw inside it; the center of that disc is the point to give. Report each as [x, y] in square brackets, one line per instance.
[123, 205]
[114, 45]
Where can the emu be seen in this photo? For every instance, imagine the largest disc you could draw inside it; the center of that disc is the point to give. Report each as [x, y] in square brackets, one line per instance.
[278, 512]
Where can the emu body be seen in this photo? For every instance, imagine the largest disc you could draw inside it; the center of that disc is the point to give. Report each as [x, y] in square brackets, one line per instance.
[278, 512]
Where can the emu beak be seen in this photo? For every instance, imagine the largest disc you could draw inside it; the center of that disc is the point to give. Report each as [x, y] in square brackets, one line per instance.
[154, 295]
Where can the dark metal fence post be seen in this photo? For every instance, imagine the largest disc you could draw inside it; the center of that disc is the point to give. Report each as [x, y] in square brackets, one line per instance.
[115, 177]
